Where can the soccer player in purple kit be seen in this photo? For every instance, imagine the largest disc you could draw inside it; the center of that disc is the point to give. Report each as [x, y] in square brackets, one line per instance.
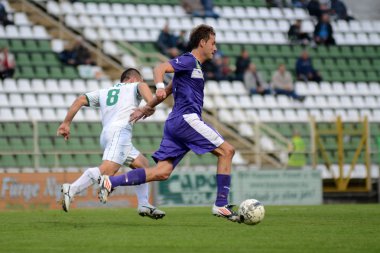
[184, 128]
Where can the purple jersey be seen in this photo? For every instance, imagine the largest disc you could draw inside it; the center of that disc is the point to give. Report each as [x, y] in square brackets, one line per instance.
[188, 85]
[184, 129]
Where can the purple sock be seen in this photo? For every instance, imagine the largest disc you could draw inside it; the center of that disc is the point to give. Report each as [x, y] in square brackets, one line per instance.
[133, 177]
[223, 183]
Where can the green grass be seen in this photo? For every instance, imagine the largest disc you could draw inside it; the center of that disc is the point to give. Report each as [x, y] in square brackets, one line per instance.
[327, 228]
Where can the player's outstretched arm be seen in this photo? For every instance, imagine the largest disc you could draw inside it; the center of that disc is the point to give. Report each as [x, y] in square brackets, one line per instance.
[64, 128]
[148, 109]
[159, 72]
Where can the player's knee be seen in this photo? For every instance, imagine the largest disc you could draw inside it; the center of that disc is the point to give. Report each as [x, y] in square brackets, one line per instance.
[229, 151]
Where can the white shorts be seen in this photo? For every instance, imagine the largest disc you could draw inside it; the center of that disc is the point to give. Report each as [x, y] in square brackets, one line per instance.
[117, 145]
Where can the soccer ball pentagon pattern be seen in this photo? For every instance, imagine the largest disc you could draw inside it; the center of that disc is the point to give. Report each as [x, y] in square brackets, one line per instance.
[251, 211]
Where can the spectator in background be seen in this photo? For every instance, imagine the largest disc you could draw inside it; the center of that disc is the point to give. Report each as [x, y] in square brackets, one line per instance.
[297, 156]
[254, 81]
[282, 83]
[277, 3]
[199, 8]
[66, 56]
[339, 10]
[299, 4]
[4, 16]
[227, 73]
[323, 32]
[314, 8]
[295, 34]
[81, 54]
[166, 43]
[7, 64]
[77, 55]
[210, 70]
[181, 42]
[305, 70]
[242, 63]
[208, 6]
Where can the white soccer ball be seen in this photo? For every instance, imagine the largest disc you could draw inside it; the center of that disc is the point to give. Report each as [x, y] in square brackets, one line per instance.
[251, 211]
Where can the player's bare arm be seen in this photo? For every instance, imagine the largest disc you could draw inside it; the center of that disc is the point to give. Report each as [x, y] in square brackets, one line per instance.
[145, 92]
[64, 128]
[148, 109]
[159, 72]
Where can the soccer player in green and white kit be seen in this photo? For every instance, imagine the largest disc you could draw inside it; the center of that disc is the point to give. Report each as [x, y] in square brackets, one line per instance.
[116, 104]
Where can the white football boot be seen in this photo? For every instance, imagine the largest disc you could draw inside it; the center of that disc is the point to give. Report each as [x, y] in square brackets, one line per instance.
[150, 211]
[66, 198]
[105, 188]
[226, 212]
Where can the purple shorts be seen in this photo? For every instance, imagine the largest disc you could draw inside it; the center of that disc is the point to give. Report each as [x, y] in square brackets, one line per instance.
[182, 134]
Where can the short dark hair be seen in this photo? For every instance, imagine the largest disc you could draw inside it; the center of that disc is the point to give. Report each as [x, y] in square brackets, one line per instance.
[200, 32]
[130, 72]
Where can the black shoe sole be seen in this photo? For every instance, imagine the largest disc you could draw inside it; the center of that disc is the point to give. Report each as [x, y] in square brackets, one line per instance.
[155, 216]
[221, 216]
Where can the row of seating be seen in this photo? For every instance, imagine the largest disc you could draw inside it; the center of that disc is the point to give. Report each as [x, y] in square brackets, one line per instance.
[24, 32]
[221, 24]
[284, 102]
[295, 115]
[230, 36]
[27, 45]
[256, 3]
[172, 10]
[55, 114]
[86, 160]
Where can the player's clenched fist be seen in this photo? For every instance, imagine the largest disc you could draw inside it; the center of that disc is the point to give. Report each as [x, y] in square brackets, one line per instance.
[64, 130]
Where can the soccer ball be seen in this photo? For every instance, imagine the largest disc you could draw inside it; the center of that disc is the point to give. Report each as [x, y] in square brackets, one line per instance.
[251, 211]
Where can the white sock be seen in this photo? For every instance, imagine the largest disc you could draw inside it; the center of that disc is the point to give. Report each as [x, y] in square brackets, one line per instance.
[88, 178]
[142, 192]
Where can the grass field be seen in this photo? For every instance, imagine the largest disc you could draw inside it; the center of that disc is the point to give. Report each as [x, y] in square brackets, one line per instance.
[327, 228]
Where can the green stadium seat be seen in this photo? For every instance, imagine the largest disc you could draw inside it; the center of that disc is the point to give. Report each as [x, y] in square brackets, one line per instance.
[7, 161]
[145, 145]
[16, 144]
[47, 161]
[358, 51]
[90, 143]
[82, 129]
[372, 76]
[25, 129]
[31, 46]
[41, 72]
[74, 144]
[4, 144]
[44, 46]
[94, 159]
[10, 129]
[70, 72]
[152, 129]
[24, 160]
[56, 72]
[43, 129]
[29, 143]
[26, 72]
[17, 45]
[46, 144]
[23, 59]
[80, 160]
[139, 130]
[52, 60]
[60, 143]
[66, 160]
[37, 60]
[96, 129]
